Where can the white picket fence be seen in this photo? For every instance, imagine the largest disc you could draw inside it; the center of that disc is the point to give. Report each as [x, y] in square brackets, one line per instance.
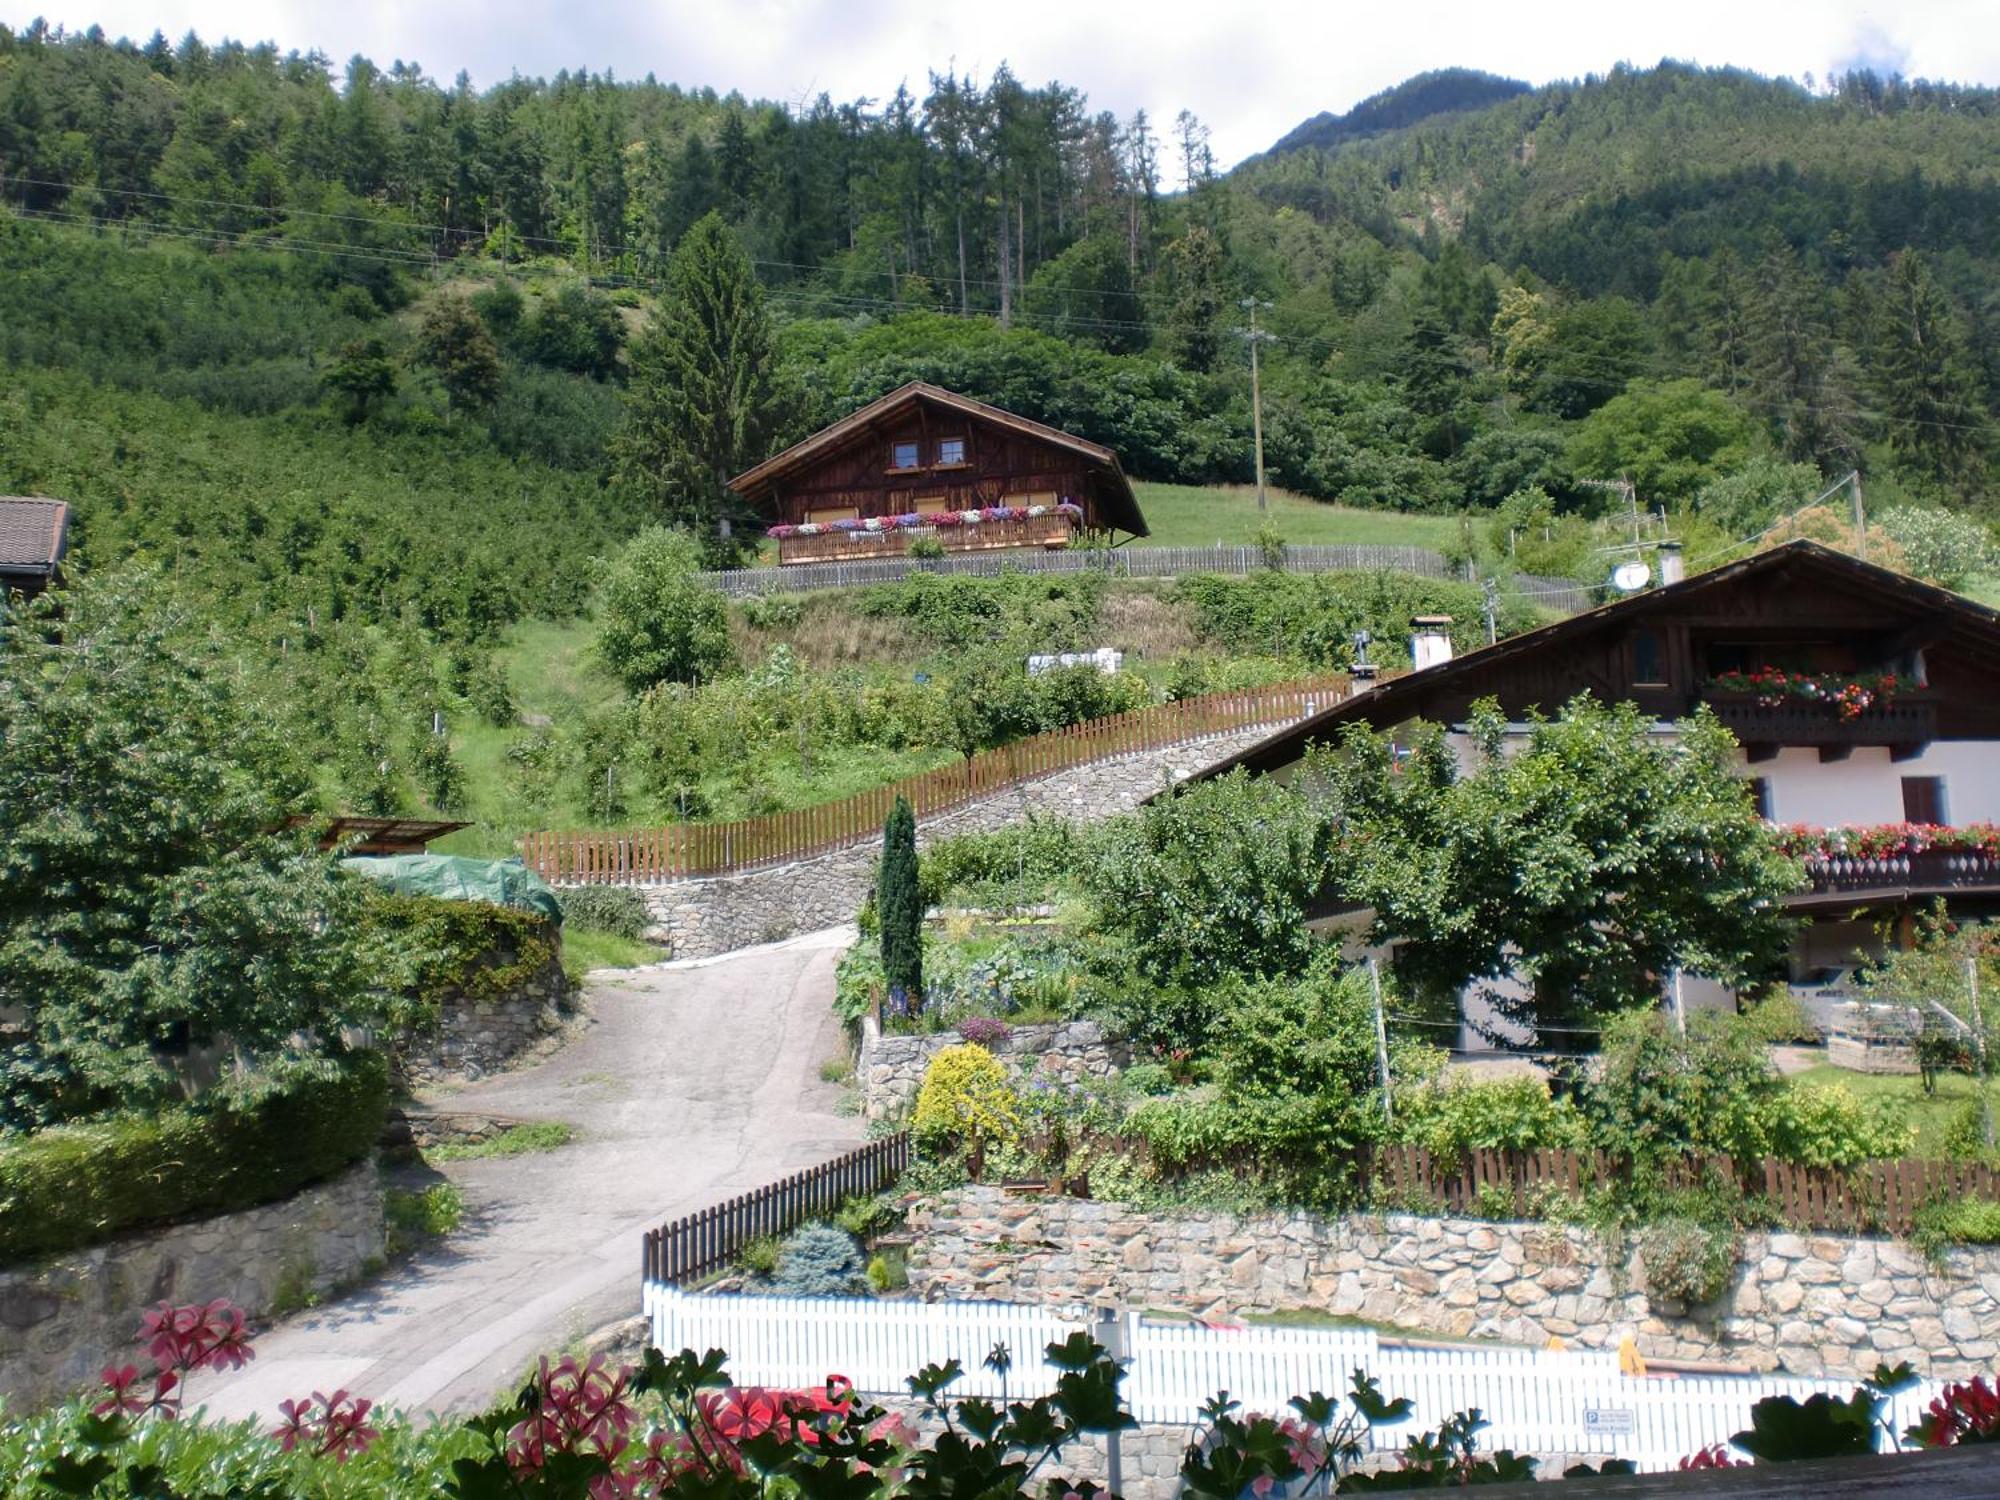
[1537, 1401]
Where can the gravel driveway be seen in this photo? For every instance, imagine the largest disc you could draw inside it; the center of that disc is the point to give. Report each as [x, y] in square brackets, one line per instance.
[691, 1084]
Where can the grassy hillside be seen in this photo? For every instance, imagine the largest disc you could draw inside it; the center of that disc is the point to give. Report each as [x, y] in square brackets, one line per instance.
[1186, 515]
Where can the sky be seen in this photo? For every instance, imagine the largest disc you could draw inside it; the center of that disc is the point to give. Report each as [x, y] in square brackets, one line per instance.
[1250, 71]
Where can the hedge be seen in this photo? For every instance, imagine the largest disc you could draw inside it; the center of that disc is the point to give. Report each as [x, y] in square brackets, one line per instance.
[616, 909]
[77, 1184]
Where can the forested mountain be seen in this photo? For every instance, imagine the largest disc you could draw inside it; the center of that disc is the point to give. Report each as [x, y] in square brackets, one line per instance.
[1442, 92]
[366, 359]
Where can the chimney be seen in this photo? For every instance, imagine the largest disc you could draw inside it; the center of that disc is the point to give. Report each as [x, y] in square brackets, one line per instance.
[1362, 674]
[1430, 640]
[1673, 567]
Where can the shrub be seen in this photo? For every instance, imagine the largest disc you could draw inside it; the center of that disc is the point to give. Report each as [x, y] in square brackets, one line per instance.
[858, 983]
[984, 1031]
[1450, 1117]
[1686, 1260]
[659, 621]
[412, 1217]
[760, 1256]
[616, 909]
[819, 1261]
[888, 1272]
[965, 1101]
[1780, 1017]
[1659, 1094]
[1955, 1221]
[1829, 1127]
[1941, 545]
[431, 946]
[238, 1147]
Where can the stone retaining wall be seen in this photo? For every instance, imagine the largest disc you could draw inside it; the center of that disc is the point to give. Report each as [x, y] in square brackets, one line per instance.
[477, 1035]
[1808, 1304]
[890, 1069]
[701, 918]
[62, 1320]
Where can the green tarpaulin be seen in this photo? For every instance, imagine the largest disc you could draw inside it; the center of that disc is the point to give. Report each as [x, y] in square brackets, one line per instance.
[454, 877]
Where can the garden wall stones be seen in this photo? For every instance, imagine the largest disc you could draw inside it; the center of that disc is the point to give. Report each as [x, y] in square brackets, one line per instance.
[701, 918]
[62, 1320]
[477, 1035]
[1809, 1304]
[890, 1069]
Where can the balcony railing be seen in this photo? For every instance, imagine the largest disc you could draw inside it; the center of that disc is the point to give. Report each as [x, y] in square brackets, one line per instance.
[1940, 870]
[1900, 721]
[1051, 530]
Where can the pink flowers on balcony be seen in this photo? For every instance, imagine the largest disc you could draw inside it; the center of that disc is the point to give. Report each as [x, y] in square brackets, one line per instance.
[1849, 695]
[1888, 841]
[915, 520]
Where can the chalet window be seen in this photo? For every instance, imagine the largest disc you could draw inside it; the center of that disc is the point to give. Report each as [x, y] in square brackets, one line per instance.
[1923, 799]
[951, 450]
[905, 455]
[1760, 796]
[1649, 660]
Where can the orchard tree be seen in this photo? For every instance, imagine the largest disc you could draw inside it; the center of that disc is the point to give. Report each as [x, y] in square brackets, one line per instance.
[152, 897]
[704, 401]
[1589, 861]
[658, 621]
[361, 374]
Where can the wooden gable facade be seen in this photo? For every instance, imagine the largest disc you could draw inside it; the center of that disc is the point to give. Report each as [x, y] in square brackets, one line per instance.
[1801, 608]
[922, 450]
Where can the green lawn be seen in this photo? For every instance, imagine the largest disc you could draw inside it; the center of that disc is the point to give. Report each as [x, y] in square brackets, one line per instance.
[584, 950]
[1187, 515]
[1931, 1113]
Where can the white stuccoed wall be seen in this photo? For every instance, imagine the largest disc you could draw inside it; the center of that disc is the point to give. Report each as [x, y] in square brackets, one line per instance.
[1867, 787]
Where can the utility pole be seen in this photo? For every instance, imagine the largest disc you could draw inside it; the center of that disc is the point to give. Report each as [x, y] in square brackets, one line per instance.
[1491, 589]
[1860, 520]
[1381, 1039]
[1250, 305]
[1979, 1047]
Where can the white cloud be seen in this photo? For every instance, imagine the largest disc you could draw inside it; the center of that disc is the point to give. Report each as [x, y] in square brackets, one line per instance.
[1251, 72]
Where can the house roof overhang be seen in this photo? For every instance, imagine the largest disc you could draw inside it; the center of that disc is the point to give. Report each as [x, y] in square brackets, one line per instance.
[1968, 625]
[34, 536]
[1119, 504]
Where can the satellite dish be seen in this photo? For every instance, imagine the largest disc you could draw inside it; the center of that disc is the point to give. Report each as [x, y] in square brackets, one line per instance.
[1630, 577]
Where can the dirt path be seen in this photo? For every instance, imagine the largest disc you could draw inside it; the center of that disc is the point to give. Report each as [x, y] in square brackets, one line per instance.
[691, 1084]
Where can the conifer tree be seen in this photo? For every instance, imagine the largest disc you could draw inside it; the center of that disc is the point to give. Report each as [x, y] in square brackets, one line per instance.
[704, 403]
[901, 908]
[455, 344]
[1924, 376]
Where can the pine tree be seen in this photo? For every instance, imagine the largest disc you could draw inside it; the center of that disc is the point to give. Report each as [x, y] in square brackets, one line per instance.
[703, 403]
[1924, 376]
[901, 908]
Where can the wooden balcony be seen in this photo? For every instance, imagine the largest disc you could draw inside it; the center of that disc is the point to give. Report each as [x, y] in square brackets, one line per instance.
[1931, 872]
[1905, 724]
[1051, 530]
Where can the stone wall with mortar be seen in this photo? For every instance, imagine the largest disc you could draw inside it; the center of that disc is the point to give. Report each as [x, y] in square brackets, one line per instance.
[1809, 1304]
[890, 1069]
[63, 1319]
[701, 918]
[480, 1034]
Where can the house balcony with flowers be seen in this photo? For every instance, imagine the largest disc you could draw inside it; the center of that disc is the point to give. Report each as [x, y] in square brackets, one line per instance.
[1768, 708]
[1896, 859]
[990, 528]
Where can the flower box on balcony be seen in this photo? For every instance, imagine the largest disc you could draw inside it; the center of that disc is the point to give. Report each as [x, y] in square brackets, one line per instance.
[1907, 721]
[995, 527]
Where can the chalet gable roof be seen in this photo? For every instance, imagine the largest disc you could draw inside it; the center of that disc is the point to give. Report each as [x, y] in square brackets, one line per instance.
[1801, 564]
[34, 534]
[754, 483]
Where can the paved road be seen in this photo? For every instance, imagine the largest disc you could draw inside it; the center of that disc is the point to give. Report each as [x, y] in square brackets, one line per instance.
[692, 1084]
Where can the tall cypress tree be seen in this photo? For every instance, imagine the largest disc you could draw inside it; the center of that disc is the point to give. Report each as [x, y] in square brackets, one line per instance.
[901, 908]
[703, 404]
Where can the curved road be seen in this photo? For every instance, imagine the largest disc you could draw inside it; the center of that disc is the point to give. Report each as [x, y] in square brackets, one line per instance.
[691, 1084]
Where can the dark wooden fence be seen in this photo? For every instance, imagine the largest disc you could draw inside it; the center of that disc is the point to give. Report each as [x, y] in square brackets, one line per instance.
[680, 850]
[1879, 1196]
[699, 1243]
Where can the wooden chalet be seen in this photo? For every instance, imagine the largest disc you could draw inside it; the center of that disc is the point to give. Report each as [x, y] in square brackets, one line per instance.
[926, 462]
[34, 536]
[1892, 803]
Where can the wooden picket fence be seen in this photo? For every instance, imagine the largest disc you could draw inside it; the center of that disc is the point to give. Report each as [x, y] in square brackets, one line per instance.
[1114, 562]
[678, 851]
[696, 1244]
[1879, 1196]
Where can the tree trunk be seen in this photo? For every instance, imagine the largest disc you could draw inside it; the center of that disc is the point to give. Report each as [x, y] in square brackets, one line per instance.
[1006, 266]
[963, 305]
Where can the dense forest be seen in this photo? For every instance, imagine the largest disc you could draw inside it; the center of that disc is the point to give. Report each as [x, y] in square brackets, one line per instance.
[363, 360]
